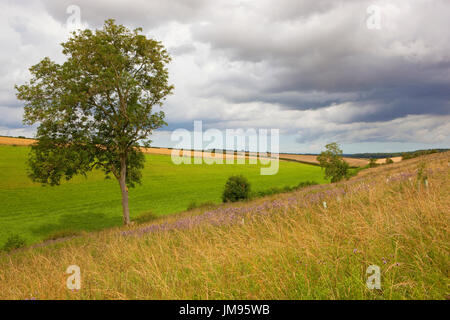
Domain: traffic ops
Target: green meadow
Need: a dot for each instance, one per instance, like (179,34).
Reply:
(92,203)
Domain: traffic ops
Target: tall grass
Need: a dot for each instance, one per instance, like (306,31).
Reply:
(285,246)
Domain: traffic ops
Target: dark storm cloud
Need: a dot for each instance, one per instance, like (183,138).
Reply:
(402,70)
(309,67)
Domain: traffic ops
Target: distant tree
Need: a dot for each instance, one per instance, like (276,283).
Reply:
(95,108)
(418,153)
(389,161)
(406,156)
(372,163)
(332,161)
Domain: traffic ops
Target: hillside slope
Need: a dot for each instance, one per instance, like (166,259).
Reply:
(287,246)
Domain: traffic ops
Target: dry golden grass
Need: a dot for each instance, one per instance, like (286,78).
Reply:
(286,246)
(16,141)
(383,161)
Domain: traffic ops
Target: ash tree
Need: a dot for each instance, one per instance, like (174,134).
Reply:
(96,109)
(333,162)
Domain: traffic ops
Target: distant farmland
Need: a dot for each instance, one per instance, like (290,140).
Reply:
(310,158)
(305,158)
(34,211)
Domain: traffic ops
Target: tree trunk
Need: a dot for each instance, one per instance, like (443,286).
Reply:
(124,189)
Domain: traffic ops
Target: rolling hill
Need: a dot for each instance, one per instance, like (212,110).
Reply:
(316,243)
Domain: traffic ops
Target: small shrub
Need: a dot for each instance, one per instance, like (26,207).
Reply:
(372,163)
(62,234)
(195,205)
(145,217)
(421,173)
(304,184)
(14,241)
(389,161)
(237,188)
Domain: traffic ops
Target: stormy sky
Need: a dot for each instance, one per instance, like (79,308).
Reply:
(372,75)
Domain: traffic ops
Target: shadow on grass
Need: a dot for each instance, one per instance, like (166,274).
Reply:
(77,222)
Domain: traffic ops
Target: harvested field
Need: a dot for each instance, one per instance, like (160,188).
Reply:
(307,158)
(395,159)
(16,141)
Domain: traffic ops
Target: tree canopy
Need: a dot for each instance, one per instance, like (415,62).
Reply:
(97,108)
(332,161)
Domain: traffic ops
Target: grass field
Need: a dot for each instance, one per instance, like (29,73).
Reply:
(286,246)
(34,211)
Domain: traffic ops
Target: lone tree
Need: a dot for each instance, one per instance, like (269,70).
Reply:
(96,108)
(331,159)
(373,163)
